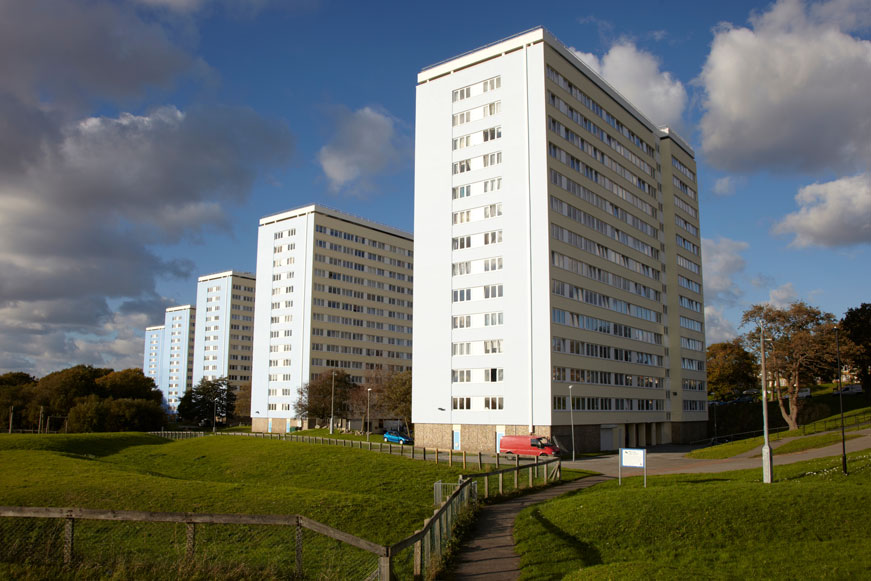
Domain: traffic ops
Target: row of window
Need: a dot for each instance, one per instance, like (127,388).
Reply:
(477,89)
(607,404)
(683,169)
(365,352)
(688,264)
(602,251)
(476,266)
(282,233)
(600,156)
(476,214)
(351,265)
(599,274)
(579,321)
(479,403)
(602,227)
(589,297)
(478,239)
(354,308)
(360,281)
(487,347)
(686,244)
(683,187)
(690,324)
(692,364)
(689,284)
(580,348)
(477,113)
(685,207)
(360,253)
(479,162)
(686,225)
(477,138)
(356,238)
(477,320)
(600,133)
(692,344)
(694,405)
(488,375)
(593,106)
(473,189)
(353,336)
(352,322)
(490,291)
(690,304)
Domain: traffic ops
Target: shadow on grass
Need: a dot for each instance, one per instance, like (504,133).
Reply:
(585,552)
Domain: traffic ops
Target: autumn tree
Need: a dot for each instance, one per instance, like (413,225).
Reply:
(731,369)
(242,413)
(396,398)
(799,339)
(129,384)
(316,397)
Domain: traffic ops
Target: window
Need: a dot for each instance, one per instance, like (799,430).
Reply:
(493,319)
(461,242)
(492,264)
(462,217)
(693,405)
(491,159)
(461,403)
(463,93)
(493,291)
(690,324)
(493,346)
(559,402)
(493,374)
(493,210)
(461,349)
(493,185)
(461,295)
(493,237)
(492,133)
(461,322)
(461,268)
(492,84)
(493,403)
(461,375)
(688,303)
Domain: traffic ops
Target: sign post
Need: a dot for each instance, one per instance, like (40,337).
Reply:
(632,458)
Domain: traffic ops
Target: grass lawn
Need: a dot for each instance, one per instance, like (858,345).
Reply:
(379,497)
(809,524)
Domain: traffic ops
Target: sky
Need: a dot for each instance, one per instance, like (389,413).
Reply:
(142,140)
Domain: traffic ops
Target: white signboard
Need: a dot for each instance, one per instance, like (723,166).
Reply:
(632,457)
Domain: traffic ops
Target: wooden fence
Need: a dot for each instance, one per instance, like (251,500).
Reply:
(426,547)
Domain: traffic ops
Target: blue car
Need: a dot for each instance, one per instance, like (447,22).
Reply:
(397,438)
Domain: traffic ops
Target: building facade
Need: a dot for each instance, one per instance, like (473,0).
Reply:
(334,292)
(223,346)
(562,283)
(169,350)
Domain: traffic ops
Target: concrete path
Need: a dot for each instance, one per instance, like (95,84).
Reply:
(489,552)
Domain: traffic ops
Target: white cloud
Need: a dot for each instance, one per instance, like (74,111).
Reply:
(725,186)
(790,92)
(365,144)
(717,327)
(723,262)
(782,296)
(636,75)
(836,213)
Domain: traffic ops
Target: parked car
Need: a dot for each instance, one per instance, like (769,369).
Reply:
(849,390)
(397,438)
(803,392)
(530,445)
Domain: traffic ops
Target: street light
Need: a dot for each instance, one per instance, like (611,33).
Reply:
(572,416)
(841,400)
(332,401)
(766,449)
(368,423)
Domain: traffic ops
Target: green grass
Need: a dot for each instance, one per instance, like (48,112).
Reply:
(809,524)
(811,442)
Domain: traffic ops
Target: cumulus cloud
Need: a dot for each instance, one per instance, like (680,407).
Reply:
(782,296)
(717,327)
(84,199)
(725,186)
(722,262)
(365,143)
(790,91)
(836,213)
(637,76)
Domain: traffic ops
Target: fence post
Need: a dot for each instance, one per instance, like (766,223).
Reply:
(480,466)
(69,530)
(298,548)
(500,483)
(497,460)
(437,460)
(412,451)
(424,454)
(486,486)
(531,468)
(385,568)
(450,457)
(390,448)
(190,539)
(516,470)
(418,558)
(464,459)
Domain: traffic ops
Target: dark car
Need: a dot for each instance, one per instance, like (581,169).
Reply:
(397,438)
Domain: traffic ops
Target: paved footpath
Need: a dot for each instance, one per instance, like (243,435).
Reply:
(488,554)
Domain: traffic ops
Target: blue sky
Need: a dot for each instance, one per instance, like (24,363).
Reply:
(143,139)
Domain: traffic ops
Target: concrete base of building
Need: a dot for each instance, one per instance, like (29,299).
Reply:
(279,425)
(588,437)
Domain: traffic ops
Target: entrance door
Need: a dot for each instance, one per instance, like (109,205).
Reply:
(456,440)
(269,428)
(499,439)
(606,439)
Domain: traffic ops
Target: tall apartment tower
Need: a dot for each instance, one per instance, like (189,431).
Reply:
(223,346)
(169,350)
(558,228)
(334,292)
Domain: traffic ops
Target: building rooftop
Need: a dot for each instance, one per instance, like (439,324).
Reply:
(226,274)
(317,208)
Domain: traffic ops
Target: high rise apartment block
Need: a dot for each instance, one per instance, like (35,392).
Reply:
(334,292)
(558,251)
(168,358)
(223,346)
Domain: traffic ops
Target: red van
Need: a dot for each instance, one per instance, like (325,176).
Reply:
(530,445)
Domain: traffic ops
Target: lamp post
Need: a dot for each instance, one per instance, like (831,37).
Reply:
(332,401)
(841,401)
(572,416)
(766,449)
(368,423)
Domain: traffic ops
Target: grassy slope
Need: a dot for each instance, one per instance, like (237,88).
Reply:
(379,497)
(809,524)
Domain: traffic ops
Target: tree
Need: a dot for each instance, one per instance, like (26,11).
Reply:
(210,398)
(129,384)
(242,411)
(731,369)
(396,398)
(16,390)
(856,327)
(799,339)
(315,397)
